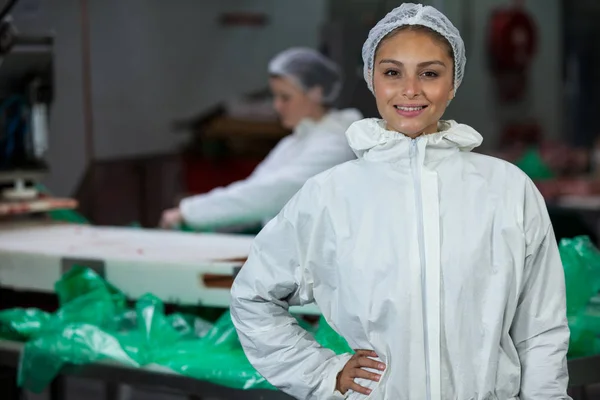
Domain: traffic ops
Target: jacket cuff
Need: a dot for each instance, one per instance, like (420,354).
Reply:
(329,391)
(188,208)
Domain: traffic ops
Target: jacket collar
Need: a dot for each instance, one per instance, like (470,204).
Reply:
(370,140)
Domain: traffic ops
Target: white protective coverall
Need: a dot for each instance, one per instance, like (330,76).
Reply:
(441,260)
(313,147)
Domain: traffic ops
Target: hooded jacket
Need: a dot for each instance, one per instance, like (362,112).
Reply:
(441,260)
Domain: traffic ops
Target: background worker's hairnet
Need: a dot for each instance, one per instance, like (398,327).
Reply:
(415,14)
(308,68)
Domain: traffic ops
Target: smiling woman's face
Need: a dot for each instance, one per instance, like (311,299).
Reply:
(413,80)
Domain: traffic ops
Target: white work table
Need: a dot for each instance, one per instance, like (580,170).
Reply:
(177,267)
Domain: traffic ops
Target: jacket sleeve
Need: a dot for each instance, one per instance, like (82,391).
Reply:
(540,330)
(275,277)
(263,196)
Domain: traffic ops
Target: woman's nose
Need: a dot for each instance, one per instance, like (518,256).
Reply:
(412,87)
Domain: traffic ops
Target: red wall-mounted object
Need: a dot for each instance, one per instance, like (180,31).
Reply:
(513,39)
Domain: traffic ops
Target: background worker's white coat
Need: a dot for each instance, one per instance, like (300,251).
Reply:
(441,260)
(313,147)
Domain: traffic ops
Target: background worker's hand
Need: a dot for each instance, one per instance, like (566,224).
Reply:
(355,368)
(171,219)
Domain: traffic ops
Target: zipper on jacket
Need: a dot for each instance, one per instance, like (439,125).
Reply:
(416,175)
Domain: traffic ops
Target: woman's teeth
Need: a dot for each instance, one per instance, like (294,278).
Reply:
(410,108)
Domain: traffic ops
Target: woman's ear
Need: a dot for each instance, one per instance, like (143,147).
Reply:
(315,94)
(451,94)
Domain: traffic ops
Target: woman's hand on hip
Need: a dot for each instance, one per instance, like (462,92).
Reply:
(355,368)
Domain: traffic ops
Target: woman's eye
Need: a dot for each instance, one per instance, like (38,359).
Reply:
(430,74)
(391,72)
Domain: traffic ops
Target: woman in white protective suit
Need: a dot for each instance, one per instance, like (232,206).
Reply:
(304,84)
(438,264)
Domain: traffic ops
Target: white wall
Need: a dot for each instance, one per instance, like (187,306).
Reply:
(475,103)
(154,61)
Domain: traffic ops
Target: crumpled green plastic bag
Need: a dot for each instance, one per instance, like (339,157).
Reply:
(329,338)
(584,340)
(533,165)
(84,297)
(76,344)
(581,263)
(21,324)
(218,358)
(155,331)
(101,330)
(79,281)
(94,324)
(77,333)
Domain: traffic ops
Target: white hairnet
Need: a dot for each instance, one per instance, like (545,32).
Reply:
(309,68)
(415,14)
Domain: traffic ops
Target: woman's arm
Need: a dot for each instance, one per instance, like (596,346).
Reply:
(540,330)
(261,197)
(275,277)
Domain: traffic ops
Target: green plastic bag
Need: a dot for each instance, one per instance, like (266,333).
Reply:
(581,263)
(225,366)
(329,338)
(76,344)
(79,281)
(22,324)
(77,333)
(218,358)
(94,324)
(223,334)
(68,340)
(534,166)
(155,330)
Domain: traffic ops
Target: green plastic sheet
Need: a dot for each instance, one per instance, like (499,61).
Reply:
(581,262)
(95,323)
(534,166)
